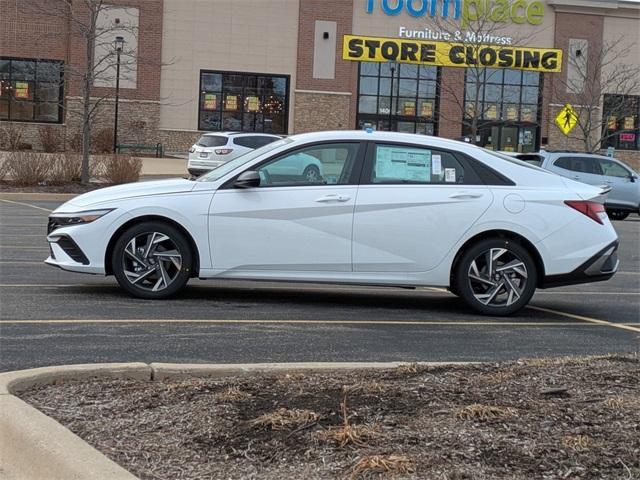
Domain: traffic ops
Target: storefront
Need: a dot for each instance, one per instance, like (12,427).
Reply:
(292,66)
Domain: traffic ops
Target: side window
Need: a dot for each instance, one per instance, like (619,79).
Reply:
(248,142)
(613,169)
(327,164)
(579,164)
(399,164)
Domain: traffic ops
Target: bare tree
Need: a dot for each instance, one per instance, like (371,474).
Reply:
(601,69)
(89,24)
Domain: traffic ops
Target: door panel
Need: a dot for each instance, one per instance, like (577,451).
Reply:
(414,204)
(623,190)
(289,228)
(410,228)
(293,221)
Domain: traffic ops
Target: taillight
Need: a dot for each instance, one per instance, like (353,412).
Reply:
(223,151)
(590,209)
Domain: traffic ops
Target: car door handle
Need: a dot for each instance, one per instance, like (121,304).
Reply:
(333,198)
(465,195)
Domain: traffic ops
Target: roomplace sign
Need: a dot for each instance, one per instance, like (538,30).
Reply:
(446,54)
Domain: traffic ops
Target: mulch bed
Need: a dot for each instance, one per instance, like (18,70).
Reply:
(7,186)
(569,418)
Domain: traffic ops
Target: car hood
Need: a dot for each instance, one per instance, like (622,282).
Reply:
(131,190)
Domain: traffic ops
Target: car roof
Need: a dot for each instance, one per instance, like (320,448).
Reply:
(239,134)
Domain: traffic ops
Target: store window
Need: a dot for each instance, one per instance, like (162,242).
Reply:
(506,104)
(398,97)
(243,102)
(31,90)
(621,124)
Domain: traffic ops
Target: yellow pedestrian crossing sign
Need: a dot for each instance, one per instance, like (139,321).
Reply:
(566,119)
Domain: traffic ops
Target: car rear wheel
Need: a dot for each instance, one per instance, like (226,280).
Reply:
(152,260)
(617,214)
(496,277)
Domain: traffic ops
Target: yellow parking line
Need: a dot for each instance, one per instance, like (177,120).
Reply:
(26,205)
(586,319)
(300,322)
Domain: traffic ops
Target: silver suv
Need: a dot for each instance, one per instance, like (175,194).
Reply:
(624,197)
(215,149)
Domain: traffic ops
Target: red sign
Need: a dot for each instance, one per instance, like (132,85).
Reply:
(627,137)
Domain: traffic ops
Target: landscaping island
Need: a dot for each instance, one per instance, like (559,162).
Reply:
(568,418)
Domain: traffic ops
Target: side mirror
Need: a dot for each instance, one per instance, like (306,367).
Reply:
(248,179)
(633,178)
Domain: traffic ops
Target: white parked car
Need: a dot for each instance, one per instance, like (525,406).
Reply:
(214,149)
(385,209)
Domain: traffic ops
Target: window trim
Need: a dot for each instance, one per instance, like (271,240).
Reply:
(287,99)
(61,99)
(353,178)
(471,176)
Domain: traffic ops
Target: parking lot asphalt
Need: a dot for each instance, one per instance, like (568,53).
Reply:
(52,317)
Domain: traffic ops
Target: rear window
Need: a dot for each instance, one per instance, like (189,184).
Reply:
(211,141)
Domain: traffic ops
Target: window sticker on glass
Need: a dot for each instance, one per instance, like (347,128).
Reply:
(450,175)
(436,164)
(404,164)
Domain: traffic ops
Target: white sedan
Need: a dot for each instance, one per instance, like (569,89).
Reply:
(382,209)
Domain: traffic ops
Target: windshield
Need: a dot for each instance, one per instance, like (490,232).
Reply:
(212,141)
(511,159)
(237,162)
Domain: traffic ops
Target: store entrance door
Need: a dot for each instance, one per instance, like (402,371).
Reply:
(508,138)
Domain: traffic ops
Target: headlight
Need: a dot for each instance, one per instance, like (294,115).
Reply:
(57,220)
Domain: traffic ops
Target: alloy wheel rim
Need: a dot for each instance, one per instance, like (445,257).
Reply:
(151,261)
(497,277)
(312,175)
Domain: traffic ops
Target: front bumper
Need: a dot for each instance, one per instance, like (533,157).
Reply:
(602,266)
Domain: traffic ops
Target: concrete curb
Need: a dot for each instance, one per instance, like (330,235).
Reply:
(34,446)
(37,196)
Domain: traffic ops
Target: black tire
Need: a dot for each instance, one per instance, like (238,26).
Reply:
(617,214)
(522,280)
(163,259)
(312,174)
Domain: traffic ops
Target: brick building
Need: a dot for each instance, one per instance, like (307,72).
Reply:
(284,66)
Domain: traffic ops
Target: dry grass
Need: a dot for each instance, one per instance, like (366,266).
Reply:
(621,402)
(28,168)
(65,168)
(117,169)
(577,442)
(285,419)
(485,412)
(49,138)
(412,368)
(501,376)
(385,464)
(366,388)
(347,435)
(290,378)
(4,165)
(232,394)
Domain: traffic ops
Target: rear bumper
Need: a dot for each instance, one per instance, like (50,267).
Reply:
(602,266)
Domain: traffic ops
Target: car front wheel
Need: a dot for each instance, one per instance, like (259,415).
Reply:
(152,260)
(496,277)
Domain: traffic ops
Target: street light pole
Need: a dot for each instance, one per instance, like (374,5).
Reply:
(119,43)
(393,69)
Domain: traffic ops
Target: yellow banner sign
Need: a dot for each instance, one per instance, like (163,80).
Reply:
(566,119)
(445,54)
